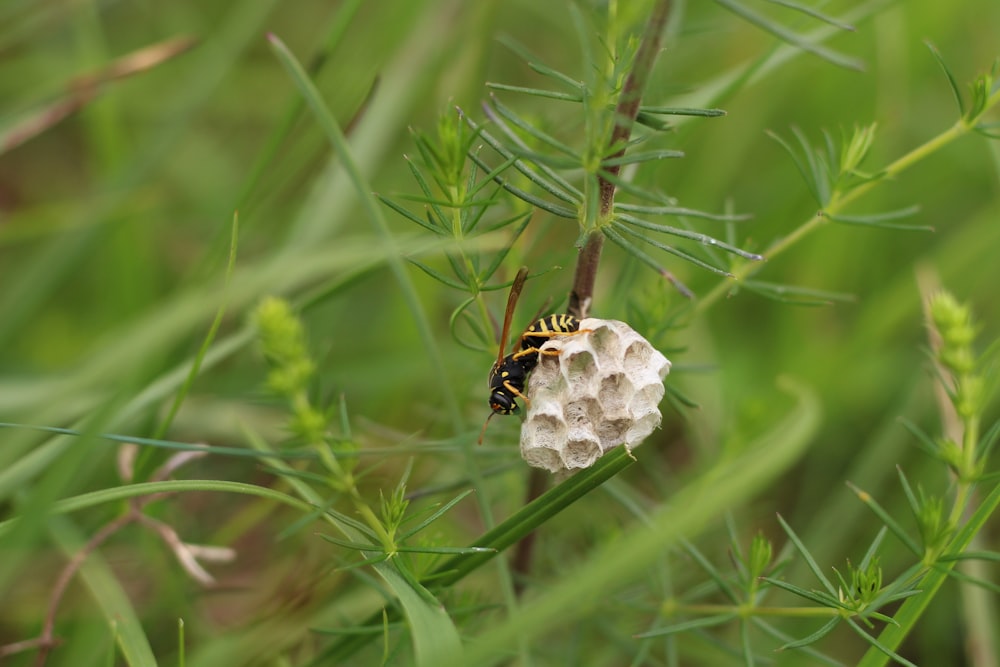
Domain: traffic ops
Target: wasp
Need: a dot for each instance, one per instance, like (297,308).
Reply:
(510,373)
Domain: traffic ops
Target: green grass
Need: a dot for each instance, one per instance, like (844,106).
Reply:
(812,488)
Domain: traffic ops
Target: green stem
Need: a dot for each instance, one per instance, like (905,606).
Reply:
(748,610)
(970,440)
(839,201)
(913,608)
(343,481)
(458,196)
(368,514)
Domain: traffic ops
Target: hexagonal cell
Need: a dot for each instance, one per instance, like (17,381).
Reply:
(550,430)
(615,391)
(579,366)
(581,450)
(637,357)
(646,398)
(612,431)
(582,411)
(602,390)
(542,457)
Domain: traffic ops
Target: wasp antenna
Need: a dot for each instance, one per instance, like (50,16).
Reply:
(515,293)
(482,434)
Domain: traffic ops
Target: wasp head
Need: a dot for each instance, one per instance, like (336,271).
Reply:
(502,403)
(507,380)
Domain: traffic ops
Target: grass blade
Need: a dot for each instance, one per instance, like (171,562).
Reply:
(786,35)
(814,13)
(111,597)
(369,203)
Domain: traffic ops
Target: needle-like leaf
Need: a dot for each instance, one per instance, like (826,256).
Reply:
(887,520)
(786,35)
(956,92)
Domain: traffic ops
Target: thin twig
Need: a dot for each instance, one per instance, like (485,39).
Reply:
(47,640)
(538,482)
(631,96)
(187,554)
(625,113)
(586,275)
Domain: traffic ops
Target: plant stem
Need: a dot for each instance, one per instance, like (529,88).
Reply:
(628,102)
(748,610)
(839,201)
(586,275)
(589,258)
(624,118)
(913,608)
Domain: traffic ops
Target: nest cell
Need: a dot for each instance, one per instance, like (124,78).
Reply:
(601,389)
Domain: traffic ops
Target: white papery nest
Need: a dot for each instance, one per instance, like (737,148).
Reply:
(601,391)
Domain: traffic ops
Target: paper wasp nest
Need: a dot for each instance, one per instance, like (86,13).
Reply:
(602,390)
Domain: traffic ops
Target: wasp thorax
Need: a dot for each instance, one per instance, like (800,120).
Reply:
(600,391)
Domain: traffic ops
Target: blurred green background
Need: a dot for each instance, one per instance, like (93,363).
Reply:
(116,204)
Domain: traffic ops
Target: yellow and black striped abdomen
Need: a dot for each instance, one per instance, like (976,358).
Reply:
(547,328)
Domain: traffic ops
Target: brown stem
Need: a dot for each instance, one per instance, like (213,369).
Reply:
(538,482)
(631,96)
(589,258)
(625,113)
(586,275)
(47,640)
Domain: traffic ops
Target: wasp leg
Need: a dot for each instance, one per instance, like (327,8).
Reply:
(530,350)
(546,334)
(517,392)
(536,350)
(551,334)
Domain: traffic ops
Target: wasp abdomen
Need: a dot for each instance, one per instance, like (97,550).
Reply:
(546,328)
